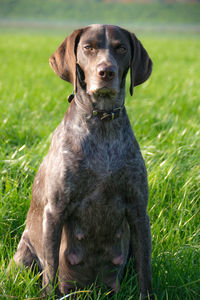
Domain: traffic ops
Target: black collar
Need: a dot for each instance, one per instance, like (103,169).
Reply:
(108,115)
(103,115)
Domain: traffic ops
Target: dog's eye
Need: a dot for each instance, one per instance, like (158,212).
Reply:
(88,47)
(121,49)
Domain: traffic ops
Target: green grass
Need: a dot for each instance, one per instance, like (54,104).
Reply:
(99,11)
(164,113)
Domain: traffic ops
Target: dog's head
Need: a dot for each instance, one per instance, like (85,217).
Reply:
(97,58)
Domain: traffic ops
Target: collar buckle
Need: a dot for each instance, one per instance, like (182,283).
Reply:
(108,115)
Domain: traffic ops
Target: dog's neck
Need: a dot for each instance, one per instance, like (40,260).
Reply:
(80,118)
(103,106)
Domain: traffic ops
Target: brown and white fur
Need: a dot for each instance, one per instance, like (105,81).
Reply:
(89,200)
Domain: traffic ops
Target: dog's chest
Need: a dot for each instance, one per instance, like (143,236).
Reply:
(105,159)
(97,163)
(95,177)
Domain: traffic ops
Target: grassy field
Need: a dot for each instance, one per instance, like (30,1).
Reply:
(164,114)
(90,11)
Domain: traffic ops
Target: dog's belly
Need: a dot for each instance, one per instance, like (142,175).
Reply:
(95,239)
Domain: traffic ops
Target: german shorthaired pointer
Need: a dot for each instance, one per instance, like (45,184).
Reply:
(89,199)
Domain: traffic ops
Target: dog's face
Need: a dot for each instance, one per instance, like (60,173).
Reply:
(103,60)
(97,58)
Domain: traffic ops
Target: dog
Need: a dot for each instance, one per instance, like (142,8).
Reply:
(88,212)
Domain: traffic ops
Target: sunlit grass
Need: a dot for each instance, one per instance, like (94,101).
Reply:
(90,11)
(164,113)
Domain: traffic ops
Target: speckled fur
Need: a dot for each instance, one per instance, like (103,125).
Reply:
(89,200)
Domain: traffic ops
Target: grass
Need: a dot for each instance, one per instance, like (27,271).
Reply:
(99,11)
(164,113)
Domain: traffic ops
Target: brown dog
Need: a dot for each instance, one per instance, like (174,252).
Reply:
(89,199)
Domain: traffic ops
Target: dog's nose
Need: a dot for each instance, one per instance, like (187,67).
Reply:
(106,73)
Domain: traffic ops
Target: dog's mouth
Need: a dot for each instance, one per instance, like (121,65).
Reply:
(105,92)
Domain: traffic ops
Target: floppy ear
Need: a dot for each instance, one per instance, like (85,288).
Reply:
(141,63)
(63,61)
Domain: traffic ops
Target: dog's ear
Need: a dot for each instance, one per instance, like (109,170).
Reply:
(63,61)
(141,63)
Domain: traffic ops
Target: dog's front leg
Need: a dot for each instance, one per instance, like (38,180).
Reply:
(52,230)
(141,248)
